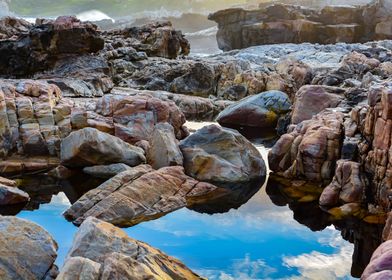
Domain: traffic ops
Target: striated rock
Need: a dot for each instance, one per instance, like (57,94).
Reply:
(380,266)
(106,171)
(79,268)
(221,156)
(10,27)
(12,195)
(137,195)
(310,149)
(311,100)
(261,110)
(99,244)
(45,44)
(348,185)
(28,251)
(164,150)
(89,146)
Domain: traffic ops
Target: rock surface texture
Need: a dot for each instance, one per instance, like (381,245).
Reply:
(102,251)
(280,23)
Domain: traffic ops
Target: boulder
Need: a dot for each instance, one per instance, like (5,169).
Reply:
(89,146)
(164,150)
(380,266)
(27,250)
(103,251)
(12,195)
(221,156)
(137,195)
(106,171)
(10,27)
(262,110)
(311,100)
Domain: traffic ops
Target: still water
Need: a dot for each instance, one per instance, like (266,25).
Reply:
(259,240)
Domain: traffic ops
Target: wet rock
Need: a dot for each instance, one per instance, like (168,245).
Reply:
(28,251)
(221,156)
(164,150)
(12,195)
(261,110)
(311,100)
(98,243)
(89,146)
(348,185)
(137,195)
(106,171)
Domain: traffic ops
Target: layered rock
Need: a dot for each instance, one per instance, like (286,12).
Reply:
(10,27)
(139,194)
(89,146)
(261,111)
(28,251)
(281,23)
(102,251)
(221,156)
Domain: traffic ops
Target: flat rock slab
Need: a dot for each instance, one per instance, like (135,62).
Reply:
(27,251)
(12,195)
(103,251)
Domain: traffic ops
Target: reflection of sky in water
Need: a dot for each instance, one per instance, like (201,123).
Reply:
(257,241)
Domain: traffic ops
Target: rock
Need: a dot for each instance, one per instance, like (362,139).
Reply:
(7,182)
(12,195)
(137,195)
(380,266)
(106,171)
(79,268)
(28,251)
(10,27)
(221,156)
(164,150)
(310,149)
(261,111)
(45,44)
(98,243)
(348,185)
(311,100)
(89,146)
(276,23)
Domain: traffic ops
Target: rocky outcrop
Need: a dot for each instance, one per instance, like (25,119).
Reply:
(139,194)
(102,251)
(280,23)
(89,146)
(260,111)
(28,251)
(221,156)
(10,27)
(164,150)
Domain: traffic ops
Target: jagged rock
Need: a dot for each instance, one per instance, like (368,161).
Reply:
(28,251)
(99,244)
(281,23)
(137,195)
(221,156)
(10,27)
(106,171)
(12,195)
(89,146)
(347,186)
(45,44)
(310,149)
(164,150)
(79,268)
(261,110)
(311,100)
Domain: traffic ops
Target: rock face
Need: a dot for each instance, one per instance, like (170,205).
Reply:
(102,251)
(164,150)
(221,156)
(12,195)
(280,23)
(28,251)
(137,195)
(261,110)
(89,146)
(10,26)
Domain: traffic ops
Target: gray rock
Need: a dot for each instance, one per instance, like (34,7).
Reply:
(106,171)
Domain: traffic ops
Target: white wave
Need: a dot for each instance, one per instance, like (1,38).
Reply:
(203,33)
(4,10)
(93,15)
(159,13)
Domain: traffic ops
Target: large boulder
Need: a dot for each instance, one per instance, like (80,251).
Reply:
(27,251)
(12,195)
(103,251)
(311,100)
(221,156)
(89,146)
(139,194)
(380,266)
(164,150)
(261,110)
